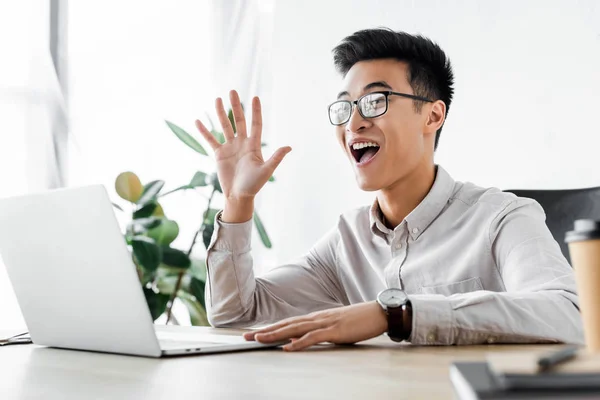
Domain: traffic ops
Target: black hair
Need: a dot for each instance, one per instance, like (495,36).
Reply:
(429,69)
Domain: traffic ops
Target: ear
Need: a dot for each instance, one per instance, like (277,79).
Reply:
(436,117)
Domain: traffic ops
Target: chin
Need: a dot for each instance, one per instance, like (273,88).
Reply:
(368,185)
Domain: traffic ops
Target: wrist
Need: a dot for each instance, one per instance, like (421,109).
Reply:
(237,211)
(398,309)
(382,321)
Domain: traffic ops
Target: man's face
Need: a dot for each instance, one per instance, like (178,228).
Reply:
(404,137)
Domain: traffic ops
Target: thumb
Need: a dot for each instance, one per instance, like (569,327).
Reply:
(273,162)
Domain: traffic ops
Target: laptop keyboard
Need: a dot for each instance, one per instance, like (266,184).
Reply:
(171,344)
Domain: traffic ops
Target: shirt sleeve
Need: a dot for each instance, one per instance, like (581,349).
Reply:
(236,298)
(540,303)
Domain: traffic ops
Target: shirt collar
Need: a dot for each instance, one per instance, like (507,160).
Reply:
(423,215)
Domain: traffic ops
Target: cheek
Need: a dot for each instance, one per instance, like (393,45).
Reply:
(400,140)
(340,135)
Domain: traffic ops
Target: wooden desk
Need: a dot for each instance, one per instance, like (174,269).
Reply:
(376,369)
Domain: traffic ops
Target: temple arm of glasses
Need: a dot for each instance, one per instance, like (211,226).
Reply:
(412,96)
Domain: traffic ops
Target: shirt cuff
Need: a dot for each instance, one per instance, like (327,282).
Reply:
(235,238)
(432,320)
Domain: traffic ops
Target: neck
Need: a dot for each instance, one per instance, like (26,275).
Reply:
(399,199)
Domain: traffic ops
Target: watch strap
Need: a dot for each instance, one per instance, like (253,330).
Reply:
(395,317)
(407,318)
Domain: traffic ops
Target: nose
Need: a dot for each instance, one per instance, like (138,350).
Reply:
(356,123)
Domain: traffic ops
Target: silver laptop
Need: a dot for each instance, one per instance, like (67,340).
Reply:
(77,285)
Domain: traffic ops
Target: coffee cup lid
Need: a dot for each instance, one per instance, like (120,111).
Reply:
(585,229)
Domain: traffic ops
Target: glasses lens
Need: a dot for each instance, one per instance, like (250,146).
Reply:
(373,105)
(339,112)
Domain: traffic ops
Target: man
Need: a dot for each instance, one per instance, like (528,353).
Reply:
(432,261)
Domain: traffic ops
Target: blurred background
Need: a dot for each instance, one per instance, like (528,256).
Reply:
(86,87)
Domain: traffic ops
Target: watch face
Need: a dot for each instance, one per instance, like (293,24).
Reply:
(393,297)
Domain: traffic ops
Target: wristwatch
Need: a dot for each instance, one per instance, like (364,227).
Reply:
(398,309)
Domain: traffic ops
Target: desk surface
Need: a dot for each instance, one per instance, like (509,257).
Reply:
(375,369)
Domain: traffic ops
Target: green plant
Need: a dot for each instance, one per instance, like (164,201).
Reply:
(167,273)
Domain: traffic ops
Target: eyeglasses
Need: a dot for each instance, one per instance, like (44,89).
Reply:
(370,105)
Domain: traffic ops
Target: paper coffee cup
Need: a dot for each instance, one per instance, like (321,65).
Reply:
(584,248)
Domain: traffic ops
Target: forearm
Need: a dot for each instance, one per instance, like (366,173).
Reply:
(236,298)
(496,317)
(231,286)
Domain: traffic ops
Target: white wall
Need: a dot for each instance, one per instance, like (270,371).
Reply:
(524,114)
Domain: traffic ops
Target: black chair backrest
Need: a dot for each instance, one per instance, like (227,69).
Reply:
(563,207)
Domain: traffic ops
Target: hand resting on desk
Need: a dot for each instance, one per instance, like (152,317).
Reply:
(343,325)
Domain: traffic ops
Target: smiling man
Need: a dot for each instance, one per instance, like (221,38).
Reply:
(431,261)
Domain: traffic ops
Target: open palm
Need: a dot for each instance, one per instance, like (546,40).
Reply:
(241,168)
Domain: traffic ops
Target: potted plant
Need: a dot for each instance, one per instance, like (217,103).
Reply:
(167,273)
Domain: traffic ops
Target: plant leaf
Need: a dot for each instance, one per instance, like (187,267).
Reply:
(199,179)
(261,231)
(147,276)
(146,252)
(166,284)
(214,180)
(165,232)
(145,211)
(184,187)
(272,179)
(128,186)
(141,225)
(157,302)
(263,144)
(175,258)
(207,234)
(232,120)
(219,136)
(187,138)
(151,190)
(118,207)
(197,312)
(198,269)
(197,289)
(209,218)
(158,212)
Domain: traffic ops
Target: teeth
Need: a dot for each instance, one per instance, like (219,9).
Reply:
(362,145)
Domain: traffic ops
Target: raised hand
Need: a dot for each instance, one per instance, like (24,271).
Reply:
(241,168)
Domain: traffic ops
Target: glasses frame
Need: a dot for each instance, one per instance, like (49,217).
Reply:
(387,94)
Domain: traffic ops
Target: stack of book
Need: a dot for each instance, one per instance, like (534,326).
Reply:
(569,373)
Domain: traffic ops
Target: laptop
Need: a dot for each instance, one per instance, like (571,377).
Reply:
(76,283)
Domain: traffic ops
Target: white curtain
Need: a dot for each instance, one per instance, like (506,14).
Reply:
(133,65)
(242,47)
(241,54)
(32,112)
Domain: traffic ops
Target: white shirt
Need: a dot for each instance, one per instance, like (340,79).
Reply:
(479,266)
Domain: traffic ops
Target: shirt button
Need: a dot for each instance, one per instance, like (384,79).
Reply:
(431,337)
(491,340)
(415,230)
(398,246)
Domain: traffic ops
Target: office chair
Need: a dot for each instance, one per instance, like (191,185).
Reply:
(563,207)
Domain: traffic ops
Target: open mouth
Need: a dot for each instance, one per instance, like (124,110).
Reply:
(364,152)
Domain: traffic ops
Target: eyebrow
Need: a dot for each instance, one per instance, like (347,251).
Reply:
(371,85)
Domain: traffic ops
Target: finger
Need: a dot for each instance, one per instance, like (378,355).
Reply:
(279,325)
(277,157)
(238,113)
(310,339)
(207,135)
(289,332)
(256,130)
(225,123)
